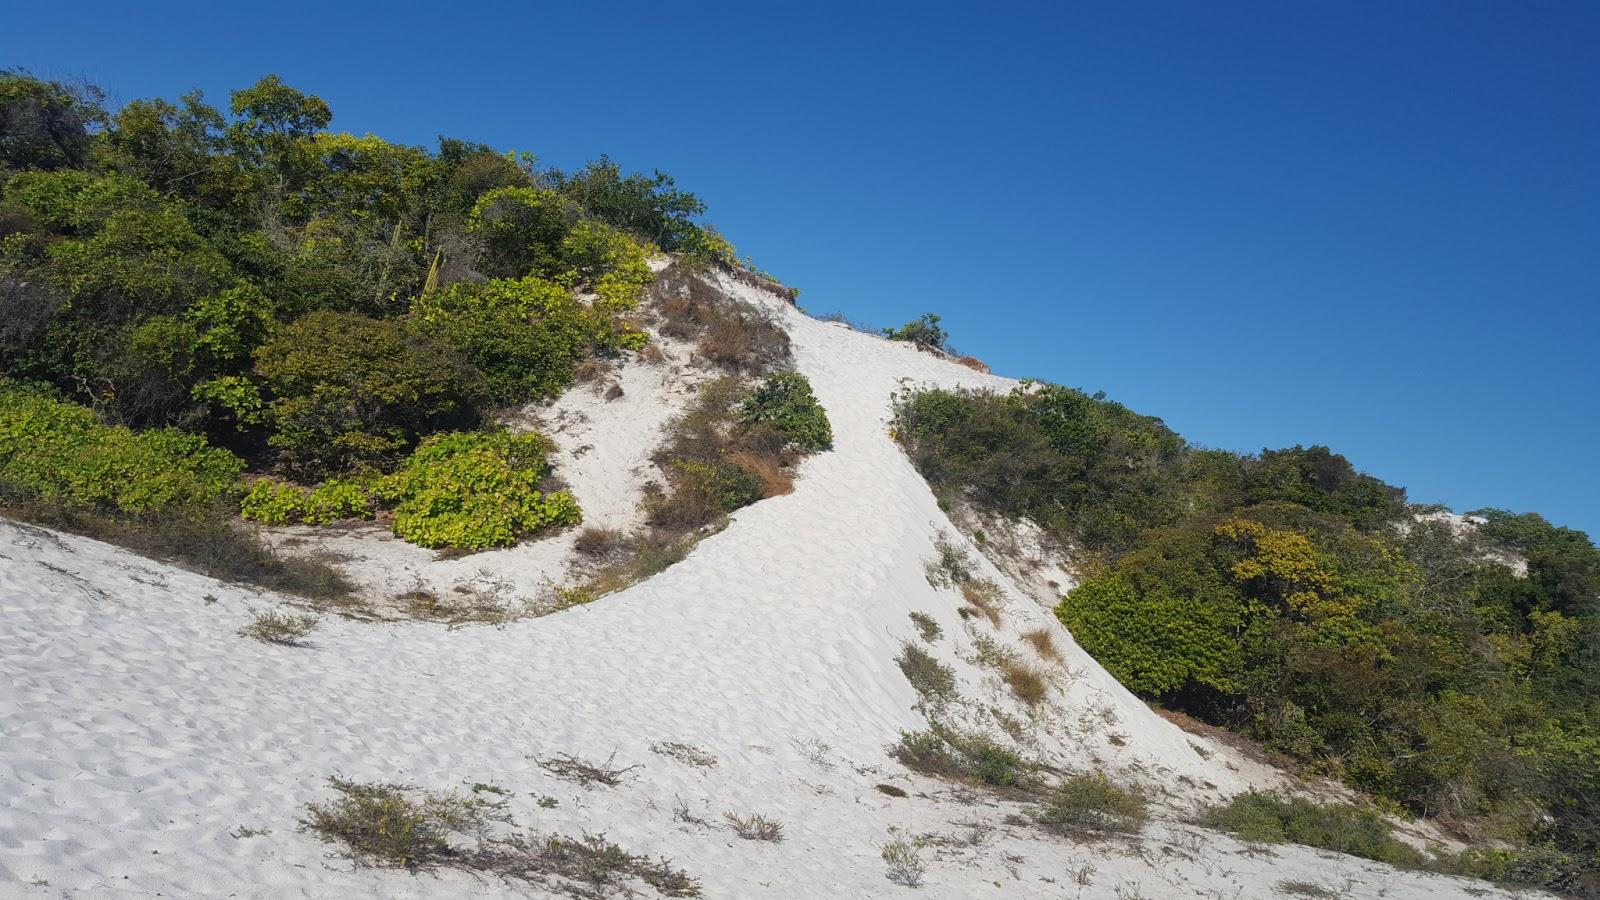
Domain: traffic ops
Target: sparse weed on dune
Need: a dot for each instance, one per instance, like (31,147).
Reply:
(754,827)
(278,627)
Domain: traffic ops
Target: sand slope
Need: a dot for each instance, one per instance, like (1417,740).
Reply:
(139,730)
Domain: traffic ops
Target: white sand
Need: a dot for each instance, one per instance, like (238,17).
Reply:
(138,729)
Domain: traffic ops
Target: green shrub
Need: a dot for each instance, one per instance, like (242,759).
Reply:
(784,400)
(524,335)
(474,490)
(944,751)
(1277,819)
(351,392)
(273,502)
(57,452)
(337,499)
(702,492)
(1096,803)
(924,331)
(932,680)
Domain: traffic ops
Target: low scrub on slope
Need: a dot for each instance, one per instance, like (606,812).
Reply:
(1290,597)
(207,288)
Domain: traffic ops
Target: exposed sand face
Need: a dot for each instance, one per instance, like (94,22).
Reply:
(139,730)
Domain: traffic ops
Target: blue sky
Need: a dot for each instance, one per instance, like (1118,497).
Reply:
(1370,225)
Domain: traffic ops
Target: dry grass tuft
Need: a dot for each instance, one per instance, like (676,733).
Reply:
(399,826)
(1026,682)
(396,826)
(276,627)
(585,773)
(973,363)
(1044,643)
(775,480)
(903,863)
(984,597)
(688,754)
(601,542)
(755,827)
(729,334)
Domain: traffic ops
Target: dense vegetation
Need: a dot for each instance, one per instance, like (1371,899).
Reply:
(1292,598)
(187,293)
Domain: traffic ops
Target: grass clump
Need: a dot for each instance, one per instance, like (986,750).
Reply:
(688,754)
(599,866)
(1095,803)
(736,338)
(583,772)
(1043,643)
(926,626)
(903,863)
(945,752)
(396,826)
(755,827)
(1027,683)
(933,681)
(1273,818)
(277,627)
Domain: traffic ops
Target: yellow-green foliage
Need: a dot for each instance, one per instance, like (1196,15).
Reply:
(475,490)
(523,334)
(59,452)
(276,503)
(610,262)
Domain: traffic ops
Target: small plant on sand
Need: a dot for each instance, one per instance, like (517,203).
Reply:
(277,627)
(952,566)
(755,827)
(1278,819)
(984,597)
(903,863)
(1043,643)
(1094,803)
(933,681)
(926,626)
(398,826)
(1305,889)
(687,754)
(943,751)
(585,773)
(1026,682)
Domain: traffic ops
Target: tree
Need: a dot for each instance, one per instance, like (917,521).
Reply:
(45,124)
(349,392)
(650,206)
(924,331)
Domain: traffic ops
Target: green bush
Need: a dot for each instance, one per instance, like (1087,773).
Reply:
(784,400)
(277,503)
(473,491)
(524,335)
(924,331)
(1277,819)
(1096,803)
(351,392)
(57,452)
(944,751)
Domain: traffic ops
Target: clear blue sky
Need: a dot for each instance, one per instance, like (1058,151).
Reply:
(1370,225)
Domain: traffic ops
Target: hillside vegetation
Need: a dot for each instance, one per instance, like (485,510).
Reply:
(1307,605)
(188,294)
